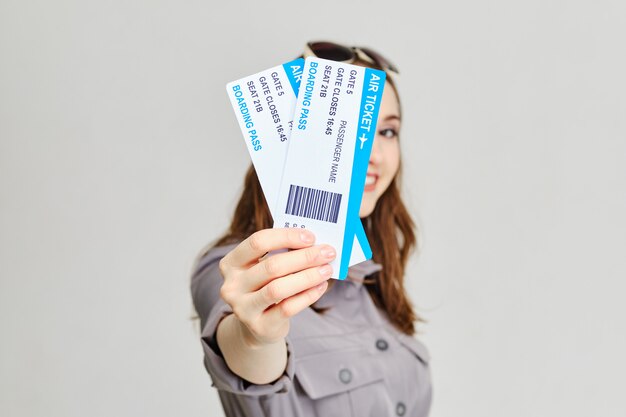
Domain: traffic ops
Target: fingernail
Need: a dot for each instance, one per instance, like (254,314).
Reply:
(321,287)
(326,270)
(307,237)
(328,253)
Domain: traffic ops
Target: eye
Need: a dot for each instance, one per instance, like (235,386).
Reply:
(388,133)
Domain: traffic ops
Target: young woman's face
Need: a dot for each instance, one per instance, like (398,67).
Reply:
(385,157)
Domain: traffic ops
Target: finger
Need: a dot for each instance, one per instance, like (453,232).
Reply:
(293,305)
(263,241)
(283,264)
(290,285)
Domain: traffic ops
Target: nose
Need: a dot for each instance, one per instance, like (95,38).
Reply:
(376,155)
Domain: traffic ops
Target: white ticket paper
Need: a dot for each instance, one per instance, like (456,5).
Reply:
(334,125)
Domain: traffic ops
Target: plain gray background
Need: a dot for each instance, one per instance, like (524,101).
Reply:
(120,158)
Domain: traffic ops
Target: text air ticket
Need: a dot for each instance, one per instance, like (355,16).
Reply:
(334,125)
(264,104)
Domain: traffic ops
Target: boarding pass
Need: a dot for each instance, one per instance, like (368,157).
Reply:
(264,104)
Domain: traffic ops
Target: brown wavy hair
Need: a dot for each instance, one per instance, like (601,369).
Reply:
(390,230)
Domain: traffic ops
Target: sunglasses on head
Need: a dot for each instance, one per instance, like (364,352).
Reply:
(341,53)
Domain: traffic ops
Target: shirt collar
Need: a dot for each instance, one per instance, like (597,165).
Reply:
(350,287)
(356,274)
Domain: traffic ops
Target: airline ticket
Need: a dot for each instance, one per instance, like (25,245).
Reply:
(264,104)
(334,125)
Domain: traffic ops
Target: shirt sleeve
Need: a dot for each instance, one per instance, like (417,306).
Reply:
(206,282)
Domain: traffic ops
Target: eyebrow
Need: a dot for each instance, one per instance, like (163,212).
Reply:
(392,117)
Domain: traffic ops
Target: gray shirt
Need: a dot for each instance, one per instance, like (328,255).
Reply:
(348,361)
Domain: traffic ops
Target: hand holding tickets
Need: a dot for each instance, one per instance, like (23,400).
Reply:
(311,152)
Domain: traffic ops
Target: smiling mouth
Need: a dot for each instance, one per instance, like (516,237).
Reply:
(370,182)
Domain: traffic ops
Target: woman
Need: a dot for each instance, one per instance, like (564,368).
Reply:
(279,338)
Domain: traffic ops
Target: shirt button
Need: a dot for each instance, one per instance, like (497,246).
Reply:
(381,344)
(400,409)
(345,376)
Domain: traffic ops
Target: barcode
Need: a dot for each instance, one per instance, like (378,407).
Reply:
(313,204)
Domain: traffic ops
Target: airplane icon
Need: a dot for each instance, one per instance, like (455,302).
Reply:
(363,139)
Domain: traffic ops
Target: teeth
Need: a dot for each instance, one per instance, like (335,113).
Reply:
(370,179)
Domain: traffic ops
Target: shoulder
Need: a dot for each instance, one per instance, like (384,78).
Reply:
(210,258)
(206,282)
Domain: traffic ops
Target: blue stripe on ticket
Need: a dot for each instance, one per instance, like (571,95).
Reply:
(371,97)
(293,70)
